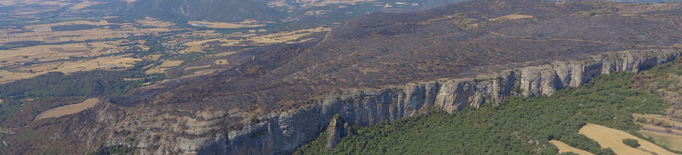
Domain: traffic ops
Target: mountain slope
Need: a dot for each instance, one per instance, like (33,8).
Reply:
(366,59)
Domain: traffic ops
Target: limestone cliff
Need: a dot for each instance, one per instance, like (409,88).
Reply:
(206,131)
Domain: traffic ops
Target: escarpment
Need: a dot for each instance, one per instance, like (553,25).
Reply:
(378,67)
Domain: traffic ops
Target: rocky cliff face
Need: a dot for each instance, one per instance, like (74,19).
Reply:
(207,131)
(293,128)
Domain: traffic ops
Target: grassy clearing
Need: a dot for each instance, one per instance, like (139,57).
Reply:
(673,142)
(566,148)
(68,109)
(612,138)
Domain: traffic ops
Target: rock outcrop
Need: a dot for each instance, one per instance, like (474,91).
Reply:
(334,130)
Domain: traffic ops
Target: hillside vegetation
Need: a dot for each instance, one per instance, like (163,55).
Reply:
(517,126)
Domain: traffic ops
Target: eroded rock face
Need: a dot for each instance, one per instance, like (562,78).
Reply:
(334,131)
(208,131)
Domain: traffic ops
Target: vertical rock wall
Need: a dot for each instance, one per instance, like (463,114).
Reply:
(295,128)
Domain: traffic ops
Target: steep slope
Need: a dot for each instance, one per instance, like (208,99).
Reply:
(377,67)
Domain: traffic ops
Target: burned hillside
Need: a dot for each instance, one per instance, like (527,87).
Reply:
(455,41)
(373,51)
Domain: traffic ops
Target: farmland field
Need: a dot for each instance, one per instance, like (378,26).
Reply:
(68,109)
(612,138)
(673,142)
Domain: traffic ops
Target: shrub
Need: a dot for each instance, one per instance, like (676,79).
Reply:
(631,142)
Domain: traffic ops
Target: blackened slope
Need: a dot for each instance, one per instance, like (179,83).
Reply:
(385,49)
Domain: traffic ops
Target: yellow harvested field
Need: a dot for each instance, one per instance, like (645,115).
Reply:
(156,70)
(8,76)
(68,109)
(44,33)
(49,52)
(223,25)
(192,49)
(286,36)
(154,57)
(43,53)
(671,141)
(563,147)
(207,71)
(43,26)
(148,21)
(511,17)
(196,46)
(121,61)
(164,66)
(612,138)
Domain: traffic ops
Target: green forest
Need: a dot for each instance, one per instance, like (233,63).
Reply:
(517,126)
